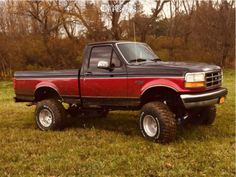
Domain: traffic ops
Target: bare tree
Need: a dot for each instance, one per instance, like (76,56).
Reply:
(189,10)
(42,12)
(155,12)
(87,19)
(227,29)
(116,7)
(214,29)
(174,24)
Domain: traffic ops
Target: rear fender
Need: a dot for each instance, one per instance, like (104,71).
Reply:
(47,85)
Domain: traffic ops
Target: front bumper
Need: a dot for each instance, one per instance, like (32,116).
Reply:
(203,99)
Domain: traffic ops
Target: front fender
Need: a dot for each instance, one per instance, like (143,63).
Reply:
(174,84)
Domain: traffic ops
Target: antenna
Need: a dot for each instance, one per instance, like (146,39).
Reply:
(135,41)
(134,32)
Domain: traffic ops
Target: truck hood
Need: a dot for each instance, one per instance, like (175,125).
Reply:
(170,68)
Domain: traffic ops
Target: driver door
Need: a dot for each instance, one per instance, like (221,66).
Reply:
(104,86)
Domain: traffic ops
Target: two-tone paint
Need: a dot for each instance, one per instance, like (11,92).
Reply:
(121,87)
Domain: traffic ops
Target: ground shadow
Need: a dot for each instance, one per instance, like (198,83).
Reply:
(121,122)
(127,123)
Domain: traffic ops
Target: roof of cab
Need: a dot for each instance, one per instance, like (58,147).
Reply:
(107,42)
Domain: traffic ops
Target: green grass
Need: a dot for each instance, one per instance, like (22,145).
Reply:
(113,146)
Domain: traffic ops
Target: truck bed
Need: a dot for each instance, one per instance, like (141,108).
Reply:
(64,82)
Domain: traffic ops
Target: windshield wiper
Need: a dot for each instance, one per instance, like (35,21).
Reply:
(156,59)
(137,60)
(142,60)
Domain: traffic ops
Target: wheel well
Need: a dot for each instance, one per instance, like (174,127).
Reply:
(46,92)
(162,94)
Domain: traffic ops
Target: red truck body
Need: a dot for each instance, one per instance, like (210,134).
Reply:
(64,86)
(113,87)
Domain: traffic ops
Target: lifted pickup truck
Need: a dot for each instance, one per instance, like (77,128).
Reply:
(125,76)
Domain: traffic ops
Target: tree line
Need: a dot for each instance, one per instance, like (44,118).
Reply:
(46,35)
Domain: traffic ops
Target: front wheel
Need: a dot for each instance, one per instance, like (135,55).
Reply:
(209,115)
(204,116)
(157,122)
(49,115)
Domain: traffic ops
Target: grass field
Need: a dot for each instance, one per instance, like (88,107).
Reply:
(113,146)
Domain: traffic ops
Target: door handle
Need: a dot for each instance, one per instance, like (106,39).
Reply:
(88,73)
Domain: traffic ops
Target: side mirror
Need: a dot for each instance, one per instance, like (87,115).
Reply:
(103,65)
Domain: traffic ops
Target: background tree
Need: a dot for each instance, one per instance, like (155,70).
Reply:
(145,25)
(116,7)
(41,35)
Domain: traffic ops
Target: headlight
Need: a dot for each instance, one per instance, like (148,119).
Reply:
(194,80)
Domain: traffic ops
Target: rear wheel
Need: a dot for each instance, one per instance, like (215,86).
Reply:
(49,115)
(157,122)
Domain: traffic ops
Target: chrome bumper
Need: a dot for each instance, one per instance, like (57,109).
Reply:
(203,99)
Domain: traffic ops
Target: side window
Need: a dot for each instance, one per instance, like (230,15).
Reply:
(115,60)
(99,53)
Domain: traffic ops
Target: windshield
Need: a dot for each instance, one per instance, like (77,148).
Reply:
(137,52)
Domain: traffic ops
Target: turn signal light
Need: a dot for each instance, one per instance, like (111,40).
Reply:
(221,100)
(194,84)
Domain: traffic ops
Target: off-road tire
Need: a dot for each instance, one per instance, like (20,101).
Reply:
(208,115)
(57,111)
(165,121)
(205,116)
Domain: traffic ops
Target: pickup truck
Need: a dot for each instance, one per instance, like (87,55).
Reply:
(119,75)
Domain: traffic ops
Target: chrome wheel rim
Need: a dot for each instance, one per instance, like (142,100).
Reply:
(45,117)
(150,125)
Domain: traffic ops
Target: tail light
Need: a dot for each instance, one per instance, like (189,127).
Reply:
(14,83)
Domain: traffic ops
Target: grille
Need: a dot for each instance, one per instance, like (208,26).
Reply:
(213,79)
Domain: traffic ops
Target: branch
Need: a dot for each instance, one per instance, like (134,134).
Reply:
(159,7)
